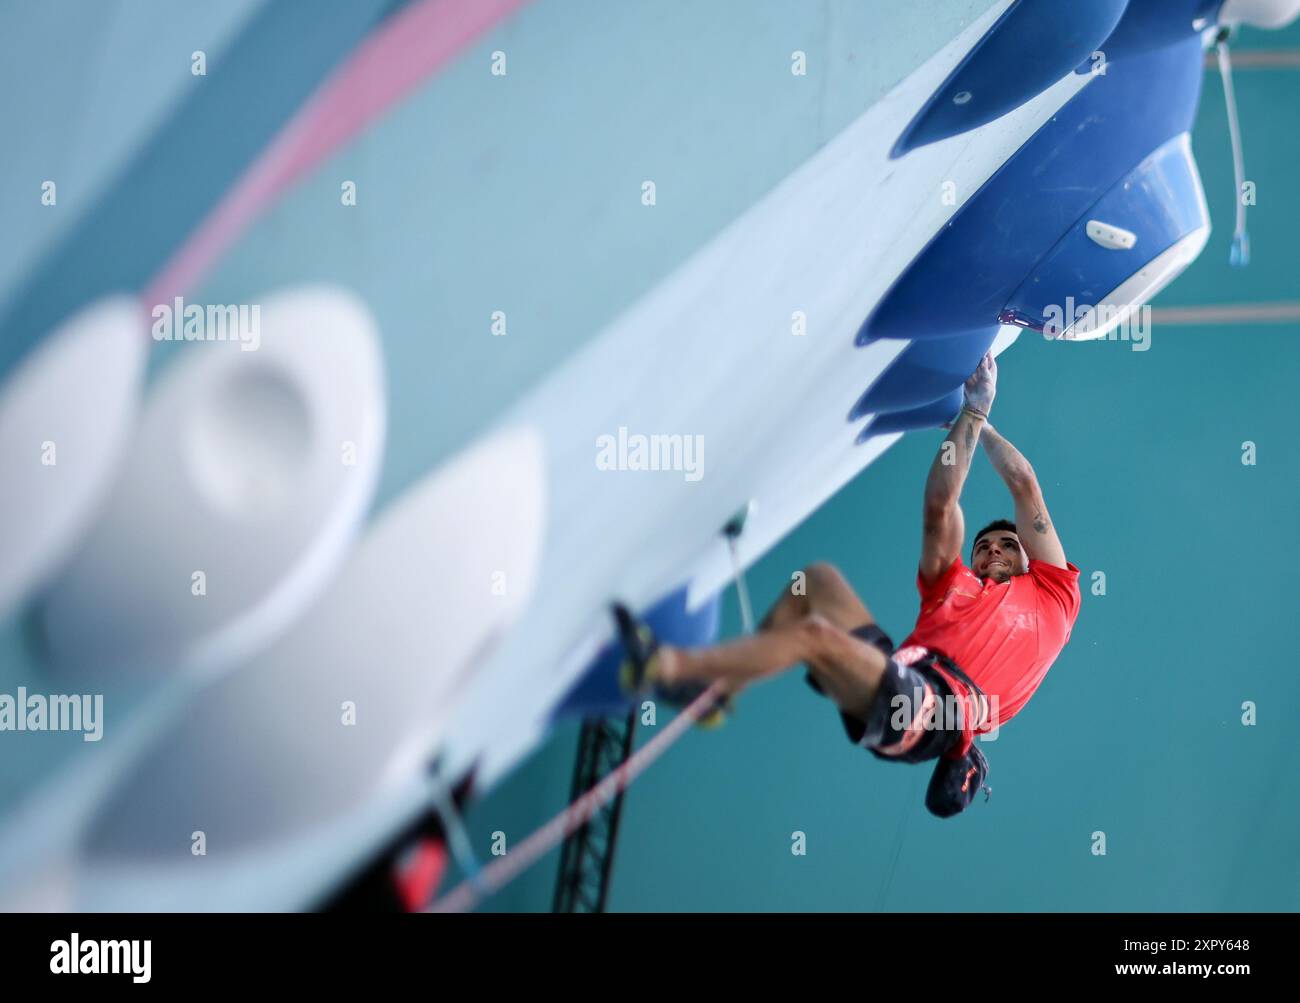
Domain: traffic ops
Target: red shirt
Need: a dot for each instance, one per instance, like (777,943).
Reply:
(1005,636)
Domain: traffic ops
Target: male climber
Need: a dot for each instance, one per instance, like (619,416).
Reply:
(985,637)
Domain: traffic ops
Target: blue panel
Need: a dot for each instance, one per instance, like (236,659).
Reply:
(597,692)
(933,415)
(1160,202)
(1153,24)
(961,281)
(189,163)
(924,372)
(1030,47)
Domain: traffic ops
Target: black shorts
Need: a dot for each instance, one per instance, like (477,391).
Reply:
(905,683)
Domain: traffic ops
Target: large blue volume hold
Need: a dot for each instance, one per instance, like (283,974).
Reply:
(1030,47)
(597,692)
(964,277)
(933,415)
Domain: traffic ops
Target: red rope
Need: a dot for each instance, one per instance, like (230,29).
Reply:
(505,869)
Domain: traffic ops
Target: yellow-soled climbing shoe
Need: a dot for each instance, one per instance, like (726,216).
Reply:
(636,673)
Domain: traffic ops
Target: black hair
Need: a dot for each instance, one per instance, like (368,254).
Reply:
(1005,524)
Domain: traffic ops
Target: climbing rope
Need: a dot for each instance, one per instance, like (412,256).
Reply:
(462,849)
(502,871)
(1240,253)
(482,882)
(742,591)
(887,880)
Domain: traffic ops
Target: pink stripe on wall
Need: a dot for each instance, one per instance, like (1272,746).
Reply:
(394,59)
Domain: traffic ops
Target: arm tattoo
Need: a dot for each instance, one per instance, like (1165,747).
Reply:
(1040,524)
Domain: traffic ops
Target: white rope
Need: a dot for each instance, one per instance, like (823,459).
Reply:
(742,591)
(1240,241)
(458,839)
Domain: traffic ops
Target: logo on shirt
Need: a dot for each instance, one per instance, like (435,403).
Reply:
(909,655)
